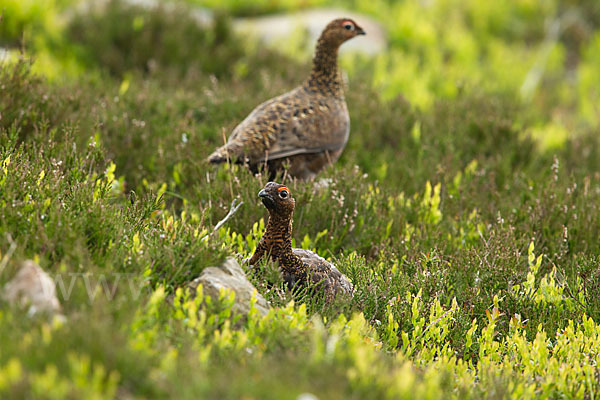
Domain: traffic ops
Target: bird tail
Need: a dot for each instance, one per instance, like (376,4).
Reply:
(220,155)
(231,152)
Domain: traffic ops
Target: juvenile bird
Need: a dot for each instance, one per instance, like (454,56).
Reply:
(299,267)
(307,127)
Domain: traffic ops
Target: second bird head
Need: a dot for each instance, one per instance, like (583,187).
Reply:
(277,198)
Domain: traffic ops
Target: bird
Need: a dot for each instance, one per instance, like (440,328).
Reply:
(305,129)
(299,267)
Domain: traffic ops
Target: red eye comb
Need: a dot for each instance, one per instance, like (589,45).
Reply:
(283,188)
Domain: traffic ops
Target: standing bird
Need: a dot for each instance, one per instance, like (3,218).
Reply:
(299,267)
(307,127)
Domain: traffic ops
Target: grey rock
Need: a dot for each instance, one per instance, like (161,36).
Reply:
(230,275)
(32,288)
(307,396)
(5,54)
(273,28)
(203,16)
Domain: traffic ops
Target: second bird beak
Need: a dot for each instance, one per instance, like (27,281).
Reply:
(266,199)
(360,31)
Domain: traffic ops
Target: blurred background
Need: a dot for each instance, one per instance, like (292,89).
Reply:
(544,54)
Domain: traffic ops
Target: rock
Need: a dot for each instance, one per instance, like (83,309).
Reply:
(230,275)
(273,28)
(5,54)
(307,396)
(34,288)
(203,16)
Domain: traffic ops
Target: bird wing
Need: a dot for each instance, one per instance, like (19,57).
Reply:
(294,123)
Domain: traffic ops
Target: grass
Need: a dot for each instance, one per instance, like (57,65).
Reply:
(472,246)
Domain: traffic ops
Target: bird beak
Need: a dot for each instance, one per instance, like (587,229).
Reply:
(266,198)
(360,31)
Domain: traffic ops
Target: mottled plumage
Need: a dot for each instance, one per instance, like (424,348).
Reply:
(298,266)
(307,127)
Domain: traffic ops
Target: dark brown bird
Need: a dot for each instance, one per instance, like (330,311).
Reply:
(307,127)
(299,267)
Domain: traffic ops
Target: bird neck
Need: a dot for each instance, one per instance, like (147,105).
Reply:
(325,76)
(279,231)
(279,234)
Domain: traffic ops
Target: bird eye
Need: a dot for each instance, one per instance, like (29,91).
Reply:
(283,194)
(349,27)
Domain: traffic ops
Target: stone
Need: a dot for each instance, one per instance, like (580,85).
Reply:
(274,28)
(32,288)
(271,29)
(203,16)
(230,275)
(307,396)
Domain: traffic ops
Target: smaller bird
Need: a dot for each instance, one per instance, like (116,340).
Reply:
(306,128)
(299,267)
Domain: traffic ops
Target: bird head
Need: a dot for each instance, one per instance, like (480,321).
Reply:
(340,30)
(277,199)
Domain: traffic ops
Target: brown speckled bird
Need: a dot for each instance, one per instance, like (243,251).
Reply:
(307,127)
(299,267)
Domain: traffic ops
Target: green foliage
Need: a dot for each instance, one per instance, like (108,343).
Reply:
(244,8)
(121,38)
(24,18)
